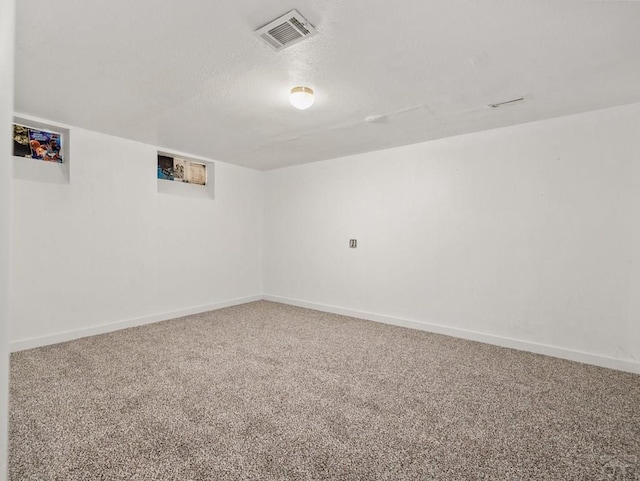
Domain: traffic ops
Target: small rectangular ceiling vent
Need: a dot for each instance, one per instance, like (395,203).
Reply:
(286,30)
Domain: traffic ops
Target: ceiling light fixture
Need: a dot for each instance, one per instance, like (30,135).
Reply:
(301,97)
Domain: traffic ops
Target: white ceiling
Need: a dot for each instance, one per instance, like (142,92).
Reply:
(190,76)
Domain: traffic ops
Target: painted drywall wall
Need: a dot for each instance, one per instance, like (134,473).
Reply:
(7,27)
(107,250)
(527,236)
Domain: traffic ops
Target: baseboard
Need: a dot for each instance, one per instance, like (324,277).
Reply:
(33,342)
(548,350)
(554,351)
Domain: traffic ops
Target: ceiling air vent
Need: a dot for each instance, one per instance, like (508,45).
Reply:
(286,30)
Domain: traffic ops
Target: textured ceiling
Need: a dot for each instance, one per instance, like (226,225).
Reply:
(190,75)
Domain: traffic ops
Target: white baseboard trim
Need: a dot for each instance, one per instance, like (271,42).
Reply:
(554,351)
(33,342)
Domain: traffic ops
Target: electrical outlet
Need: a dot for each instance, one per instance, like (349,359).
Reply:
(353,243)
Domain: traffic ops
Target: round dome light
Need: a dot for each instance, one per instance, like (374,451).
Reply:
(301,97)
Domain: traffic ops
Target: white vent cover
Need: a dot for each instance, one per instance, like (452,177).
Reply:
(286,30)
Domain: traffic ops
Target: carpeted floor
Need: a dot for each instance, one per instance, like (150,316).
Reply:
(265,391)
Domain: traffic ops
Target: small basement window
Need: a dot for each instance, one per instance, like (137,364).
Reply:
(180,175)
(40,151)
(181,170)
(37,144)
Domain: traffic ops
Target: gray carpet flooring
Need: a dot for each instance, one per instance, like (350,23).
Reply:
(265,391)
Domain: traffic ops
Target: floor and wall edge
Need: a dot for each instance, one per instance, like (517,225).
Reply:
(554,351)
(40,341)
(548,350)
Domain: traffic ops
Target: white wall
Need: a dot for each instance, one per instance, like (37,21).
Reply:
(107,250)
(7,26)
(527,236)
